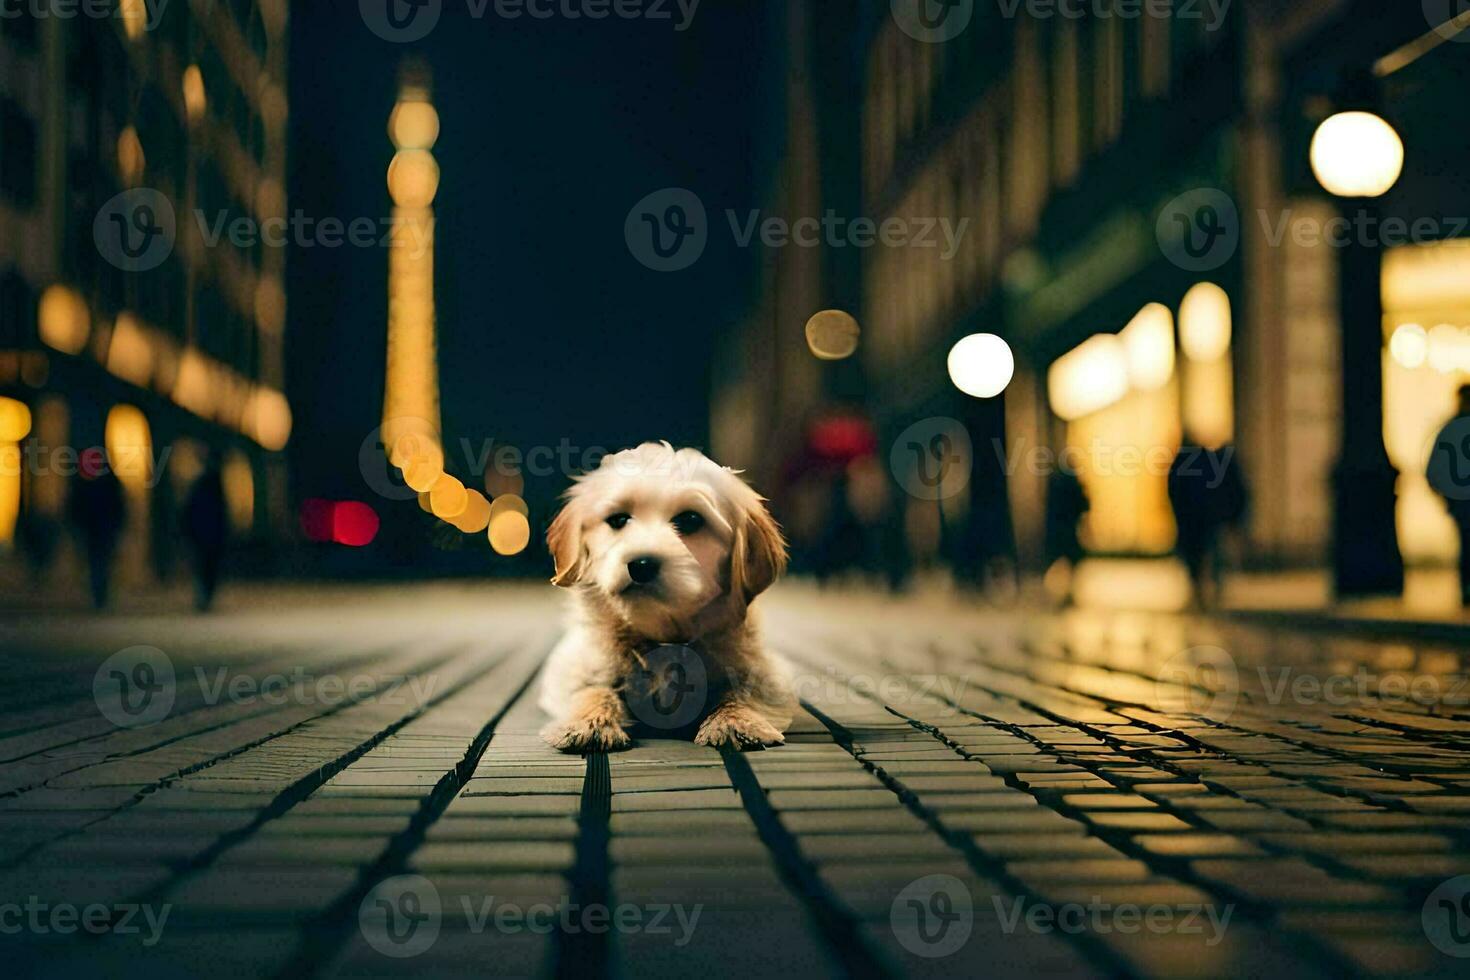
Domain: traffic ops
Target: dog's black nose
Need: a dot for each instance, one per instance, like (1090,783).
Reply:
(643,570)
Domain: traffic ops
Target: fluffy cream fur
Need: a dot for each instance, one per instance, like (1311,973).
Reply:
(701,597)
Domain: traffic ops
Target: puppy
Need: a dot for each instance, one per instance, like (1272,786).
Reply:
(664,551)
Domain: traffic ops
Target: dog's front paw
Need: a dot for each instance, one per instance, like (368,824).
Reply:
(581,735)
(739,728)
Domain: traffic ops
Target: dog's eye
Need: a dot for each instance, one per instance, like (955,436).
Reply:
(688,522)
(618,521)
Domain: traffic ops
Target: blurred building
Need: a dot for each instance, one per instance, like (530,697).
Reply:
(142,206)
(1147,233)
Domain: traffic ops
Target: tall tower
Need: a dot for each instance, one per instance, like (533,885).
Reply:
(411,423)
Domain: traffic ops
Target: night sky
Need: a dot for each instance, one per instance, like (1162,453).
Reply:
(550,132)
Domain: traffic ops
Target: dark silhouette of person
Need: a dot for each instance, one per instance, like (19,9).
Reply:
(1207,493)
(98,510)
(1066,504)
(206,524)
(1449,474)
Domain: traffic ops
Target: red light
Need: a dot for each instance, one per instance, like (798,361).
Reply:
(354,524)
(843,437)
(346,522)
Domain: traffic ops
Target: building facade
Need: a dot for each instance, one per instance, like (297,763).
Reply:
(1146,232)
(142,215)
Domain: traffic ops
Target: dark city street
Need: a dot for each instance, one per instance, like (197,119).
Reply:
(734,488)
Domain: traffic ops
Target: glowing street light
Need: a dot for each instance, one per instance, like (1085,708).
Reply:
(981,365)
(1357,154)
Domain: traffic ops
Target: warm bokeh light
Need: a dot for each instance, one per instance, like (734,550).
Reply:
(63,320)
(1445,348)
(194,384)
(354,523)
(129,442)
(413,178)
(476,515)
(267,419)
(1357,154)
(448,498)
(194,100)
(1089,377)
(130,351)
(1148,342)
(981,365)
(832,334)
(131,160)
(508,504)
(134,14)
(239,485)
(414,125)
(15,420)
(509,532)
(1205,322)
(1409,345)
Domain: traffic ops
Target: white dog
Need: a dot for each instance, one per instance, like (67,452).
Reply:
(664,550)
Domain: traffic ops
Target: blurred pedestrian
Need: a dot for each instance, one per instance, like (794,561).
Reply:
(1066,504)
(1208,495)
(1449,475)
(206,525)
(98,511)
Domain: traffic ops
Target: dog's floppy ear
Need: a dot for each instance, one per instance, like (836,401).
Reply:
(759,552)
(564,541)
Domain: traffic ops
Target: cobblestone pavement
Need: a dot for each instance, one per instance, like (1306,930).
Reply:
(350,784)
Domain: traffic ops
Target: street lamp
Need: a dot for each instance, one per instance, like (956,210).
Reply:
(981,365)
(1357,154)
(1357,157)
